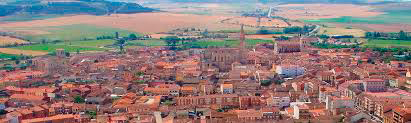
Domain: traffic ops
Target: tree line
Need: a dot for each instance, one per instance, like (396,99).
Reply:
(298,30)
(401,35)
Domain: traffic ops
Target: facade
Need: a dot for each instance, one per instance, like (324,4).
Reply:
(301,111)
(279,99)
(401,115)
(165,89)
(223,58)
(374,85)
(60,53)
(222,100)
(289,46)
(335,103)
(289,70)
(226,88)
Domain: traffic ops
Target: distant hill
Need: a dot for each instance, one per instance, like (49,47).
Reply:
(95,7)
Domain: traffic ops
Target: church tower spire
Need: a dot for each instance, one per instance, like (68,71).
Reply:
(242,49)
(242,36)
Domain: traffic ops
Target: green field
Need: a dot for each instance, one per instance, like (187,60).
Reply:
(152,42)
(75,32)
(388,43)
(391,16)
(53,47)
(7,56)
(88,43)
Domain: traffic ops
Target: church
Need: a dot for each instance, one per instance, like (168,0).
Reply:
(223,58)
(295,44)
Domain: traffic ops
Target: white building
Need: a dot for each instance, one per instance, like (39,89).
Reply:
(289,70)
(301,111)
(279,100)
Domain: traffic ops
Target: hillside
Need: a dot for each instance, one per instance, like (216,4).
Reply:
(94,7)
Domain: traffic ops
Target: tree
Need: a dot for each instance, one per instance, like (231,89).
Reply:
(171,41)
(3,112)
(43,41)
(205,33)
(369,35)
(67,54)
(293,30)
(139,73)
(132,37)
(402,35)
(263,31)
(8,68)
(117,35)
(121,43)
(283,38)
(17,61)
(266,82)
(23,66)
(92,114)
(79,99)
(78,51)
(323,36)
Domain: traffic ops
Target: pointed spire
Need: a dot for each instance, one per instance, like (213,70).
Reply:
(242,34)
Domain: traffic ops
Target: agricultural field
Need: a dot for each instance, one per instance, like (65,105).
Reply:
(24,52)
(27,17)
(342,31)
(7,56)
(153,42)
(230,9)
(73,32)
(253,42)
(146,23)
(88,43)
(53,47)
(392,20)
(389,17)
(252,21)
(5,40)
(388,43)
(322,11)
(70,46)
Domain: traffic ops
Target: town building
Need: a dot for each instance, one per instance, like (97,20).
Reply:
(289,70)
